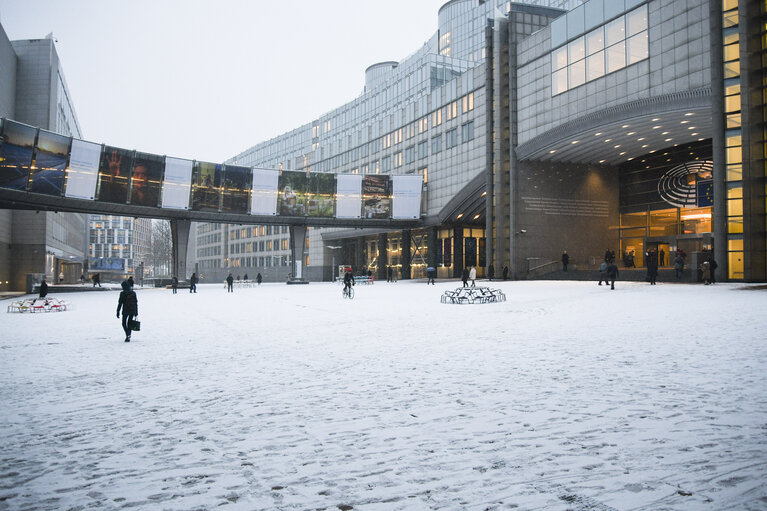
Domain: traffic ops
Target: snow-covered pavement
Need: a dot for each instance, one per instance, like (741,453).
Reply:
(568,396)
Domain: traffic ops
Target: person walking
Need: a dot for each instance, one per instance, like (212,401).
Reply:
(652,266)
(705,269)
(229,284)
(43,288)
(431,272)
(612,274)
(388,274)
(174,284)
(505,272)
(96,280)
(678,265)
(128,302)
(258,279)
(473,276)
(193,283)
(712,264)
(465,277)
(490,272)
(565,260)
(603,273)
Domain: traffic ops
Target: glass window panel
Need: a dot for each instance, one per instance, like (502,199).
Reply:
(615,31)
(735,225)
(730,19)
(733,140)
(577,49)
(559,81)
(559,31)
(730,36)
(735,265)
(735,207)
(636,21)
(732,103)
(735,245)
(732,87)
(595,41)
(734,172)
(735,190)
(734,155)
(637,48)
(732,69)
(627,233)
(595,13)
(731,52)
(733,121)
(577,73)
(616,57)
(595,66)
(634,220)
(559,58)
(729,4)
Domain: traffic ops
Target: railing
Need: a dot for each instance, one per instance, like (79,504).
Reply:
(547,265)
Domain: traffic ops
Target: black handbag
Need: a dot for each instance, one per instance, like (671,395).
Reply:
(135,325)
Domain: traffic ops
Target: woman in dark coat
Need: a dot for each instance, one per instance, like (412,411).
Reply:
(43,289)
(128,302)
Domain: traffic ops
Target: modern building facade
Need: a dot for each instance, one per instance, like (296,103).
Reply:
(33,90)
(636,126)
(118,246)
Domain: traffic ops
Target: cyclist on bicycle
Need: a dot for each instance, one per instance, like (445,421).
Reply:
(348,280)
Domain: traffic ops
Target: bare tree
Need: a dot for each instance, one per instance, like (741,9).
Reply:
(162,248)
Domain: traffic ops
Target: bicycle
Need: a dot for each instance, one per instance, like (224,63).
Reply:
(348,292)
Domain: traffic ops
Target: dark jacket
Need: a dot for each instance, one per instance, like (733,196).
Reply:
(229,279)
(128,301)
(43,289)
(612,271)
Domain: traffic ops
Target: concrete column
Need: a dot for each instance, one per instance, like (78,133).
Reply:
(406,247)
(359,255)
(433,248)
(457,251)
(383,256)
(297,249)
(179,233)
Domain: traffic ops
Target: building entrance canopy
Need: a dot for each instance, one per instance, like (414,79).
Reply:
(44,170)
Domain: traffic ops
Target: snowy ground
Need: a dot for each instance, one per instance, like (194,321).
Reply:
(566,396)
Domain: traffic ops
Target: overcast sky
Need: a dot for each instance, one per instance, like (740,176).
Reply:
(207,79)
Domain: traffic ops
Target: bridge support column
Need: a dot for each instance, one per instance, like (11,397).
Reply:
(297,250)
(359,255)
(179,233)
(383,256)
(458,263)
(432,240)
(406,250)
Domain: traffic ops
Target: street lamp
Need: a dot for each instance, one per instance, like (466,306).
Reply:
(333,264)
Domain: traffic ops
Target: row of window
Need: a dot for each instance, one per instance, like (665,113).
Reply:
(253,232)
(259,246)
(620,43)
(448,112)
(258,262)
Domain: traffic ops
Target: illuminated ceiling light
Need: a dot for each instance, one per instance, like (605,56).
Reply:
(655,127)
(616,146)
(608,139)
(652,151)
(656,119)
(621,154)
(630,159)
(483,194)
(625,125)
(574,142)
(694,134)
(476,216)
(598,134)
(459,216)
(631,133)
(552,151)
(640,139)
(669,139)
(644,146)
(684,122)
(701,139)
(602,161)
(689,114)
(665,133)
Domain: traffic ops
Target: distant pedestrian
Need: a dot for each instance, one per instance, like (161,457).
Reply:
(431,273)
(465,277)
(565,260)
(258,279)
(230,284)
(128,302)
(705,270)
(193,283)
(678,265)
(238,278)
(96,280)
(388,274)
(473,276)
(505,272)
(245,277)
(612,274)
(662,257)
(714,266)
(174,284)
(61,276)
(82,278)
(43,289)
(603,273)
(651,260)
(490,272)
(130,281)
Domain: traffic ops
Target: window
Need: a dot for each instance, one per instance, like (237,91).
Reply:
(409,154)
(451,138)
(467,131)
(436,144)
(385,164)
(397,159)
(423,149)
(437,118)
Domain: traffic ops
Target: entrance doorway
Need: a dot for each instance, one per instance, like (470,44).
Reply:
(663,249)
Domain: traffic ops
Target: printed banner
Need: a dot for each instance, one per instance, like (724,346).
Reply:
(106,264)
(320,197)
(406,197)
(236,190)
(376,197)
(206,186)
(349,196)
(113,174)
(292,193)
(50,163)
(146,179)
(264,198)
(16,148)
(177,183)
(83,170)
